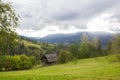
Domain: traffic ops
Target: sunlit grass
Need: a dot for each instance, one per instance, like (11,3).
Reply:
(27,43)
(86,69)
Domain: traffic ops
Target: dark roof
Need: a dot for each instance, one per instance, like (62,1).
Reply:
(51,57)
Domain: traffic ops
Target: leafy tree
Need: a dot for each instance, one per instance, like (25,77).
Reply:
(74,49)
(90,48)
(8,23)
(97,46)
(84,38)
(84,48)
(114,47)
(8,17)
(108,49)
(116,44)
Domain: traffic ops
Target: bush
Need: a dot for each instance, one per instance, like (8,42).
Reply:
(27,62)
(64,56)
(8,63)
(118,57)
(16,62)
(114,58)
(3,62)
(33,60)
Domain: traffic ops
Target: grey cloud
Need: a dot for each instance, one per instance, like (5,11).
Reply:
(65,16)
(64,13)
(95,7)
(28,16)
(117,16)
(81,26)
(114,19)
(51,30)
(80,15)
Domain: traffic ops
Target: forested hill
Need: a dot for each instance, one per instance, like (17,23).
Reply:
(75,37)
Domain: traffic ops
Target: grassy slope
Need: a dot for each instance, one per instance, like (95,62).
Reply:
(85,69)
(28,43)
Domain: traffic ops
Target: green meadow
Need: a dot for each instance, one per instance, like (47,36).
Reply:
(100,68)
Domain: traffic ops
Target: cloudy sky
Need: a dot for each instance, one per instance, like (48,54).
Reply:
(39,18)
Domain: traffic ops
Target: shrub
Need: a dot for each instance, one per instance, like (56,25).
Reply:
(25,63)
(2,59)
(33,60)
(114,58)
(8,63)
(16,62)
(64,56)
(118,57)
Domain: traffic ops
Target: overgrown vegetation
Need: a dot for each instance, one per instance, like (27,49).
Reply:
(114,46)
(16,62)
(64,56)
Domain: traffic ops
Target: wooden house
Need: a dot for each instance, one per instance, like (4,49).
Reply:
(47,59)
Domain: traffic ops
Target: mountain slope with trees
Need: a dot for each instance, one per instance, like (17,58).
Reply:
(75,37)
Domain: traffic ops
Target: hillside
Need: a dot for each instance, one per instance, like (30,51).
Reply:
(29,43)
(100,68)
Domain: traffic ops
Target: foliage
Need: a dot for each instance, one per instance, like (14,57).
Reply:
(74,49)
(114,46)
(84,49)
(5,63)
(90,48)
(26,62)
(8,23)
(114,58)
(8,42)
(109,47)
(8,17)
(64,56)
(48,48)
(97,45)
(16,62)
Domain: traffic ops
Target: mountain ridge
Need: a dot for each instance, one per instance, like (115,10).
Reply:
(74,37)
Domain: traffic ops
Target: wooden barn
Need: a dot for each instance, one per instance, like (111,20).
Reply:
(47,59)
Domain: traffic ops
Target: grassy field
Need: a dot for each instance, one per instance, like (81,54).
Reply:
(100,68)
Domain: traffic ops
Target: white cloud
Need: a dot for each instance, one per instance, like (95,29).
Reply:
(103,23)
(43,17)
(46,31)
(99,23)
